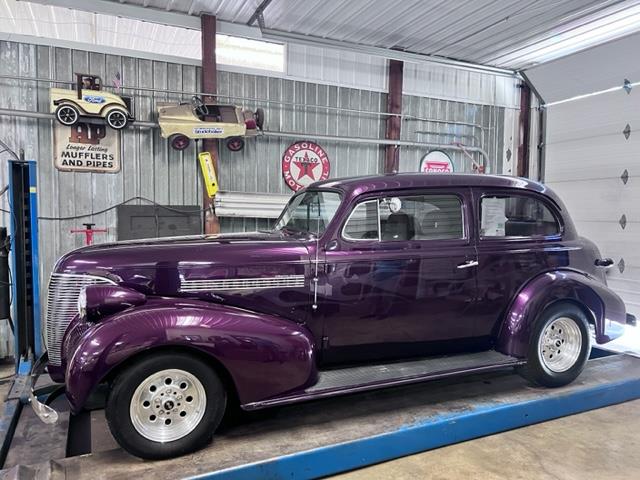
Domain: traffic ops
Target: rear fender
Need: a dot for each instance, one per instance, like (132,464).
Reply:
(562,285)
(265,356)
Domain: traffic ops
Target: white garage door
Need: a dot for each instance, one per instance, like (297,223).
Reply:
(595,167)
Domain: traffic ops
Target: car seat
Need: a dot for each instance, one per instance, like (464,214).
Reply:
(399,226)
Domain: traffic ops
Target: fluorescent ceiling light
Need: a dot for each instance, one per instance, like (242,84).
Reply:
(609,27)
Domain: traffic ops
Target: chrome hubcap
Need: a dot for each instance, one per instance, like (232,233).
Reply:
(168,405)
(67,115)
(560,345)
(117,119)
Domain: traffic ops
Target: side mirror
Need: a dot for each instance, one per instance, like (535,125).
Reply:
(331,246)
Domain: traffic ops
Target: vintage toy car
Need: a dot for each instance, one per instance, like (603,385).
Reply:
(182,122)
(89,103)
(363,283)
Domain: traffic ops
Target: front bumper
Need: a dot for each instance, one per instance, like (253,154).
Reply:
(42,410)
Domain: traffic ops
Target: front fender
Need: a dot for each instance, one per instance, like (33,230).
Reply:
(550,287)
(264,355)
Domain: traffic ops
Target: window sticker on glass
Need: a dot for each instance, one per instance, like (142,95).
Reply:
(493,217)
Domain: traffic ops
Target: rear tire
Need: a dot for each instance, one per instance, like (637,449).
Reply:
(235,144)
(559,346)
(165,405)
(117,119)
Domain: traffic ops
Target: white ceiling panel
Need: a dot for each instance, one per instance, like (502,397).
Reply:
(511,34)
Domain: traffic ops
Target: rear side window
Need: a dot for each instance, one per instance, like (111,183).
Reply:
(516,216)
(402,218)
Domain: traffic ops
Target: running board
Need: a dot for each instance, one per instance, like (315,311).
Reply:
(370,377)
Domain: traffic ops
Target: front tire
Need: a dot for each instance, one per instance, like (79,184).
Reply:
(165,405)
(559,346)
(179,142)
(67,114)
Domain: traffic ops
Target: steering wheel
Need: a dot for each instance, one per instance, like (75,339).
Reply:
(199,107)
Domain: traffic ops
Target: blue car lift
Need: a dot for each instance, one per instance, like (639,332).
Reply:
(309,440)
(25,290)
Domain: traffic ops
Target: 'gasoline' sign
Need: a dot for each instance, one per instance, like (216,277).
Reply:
(86,147)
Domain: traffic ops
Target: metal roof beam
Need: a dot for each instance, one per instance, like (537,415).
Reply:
(192,22)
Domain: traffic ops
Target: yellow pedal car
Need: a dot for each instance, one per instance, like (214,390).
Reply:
(183,122)
(89,103)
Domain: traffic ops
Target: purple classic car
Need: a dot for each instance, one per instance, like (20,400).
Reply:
(363,283)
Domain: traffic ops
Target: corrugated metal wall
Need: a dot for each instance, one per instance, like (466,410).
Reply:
(487,133)
(338,67)
(151,169)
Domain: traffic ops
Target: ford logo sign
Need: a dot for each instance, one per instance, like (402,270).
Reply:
(93,99)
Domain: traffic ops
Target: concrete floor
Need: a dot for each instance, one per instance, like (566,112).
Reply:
(601,444)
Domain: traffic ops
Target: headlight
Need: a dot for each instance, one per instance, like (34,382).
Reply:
(82,303)
(98,301)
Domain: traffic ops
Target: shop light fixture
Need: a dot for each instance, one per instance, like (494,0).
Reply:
(559,44)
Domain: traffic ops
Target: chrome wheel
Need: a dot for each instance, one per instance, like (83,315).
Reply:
(117,119)
(67,115)
(168,405)
(560,345)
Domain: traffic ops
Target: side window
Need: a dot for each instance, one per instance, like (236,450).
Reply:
(363,222)
(516,216)
(416,217)
(421,217)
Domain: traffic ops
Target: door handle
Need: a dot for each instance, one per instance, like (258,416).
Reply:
(604,262)
(468,264)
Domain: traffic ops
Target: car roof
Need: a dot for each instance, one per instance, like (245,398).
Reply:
(354,186)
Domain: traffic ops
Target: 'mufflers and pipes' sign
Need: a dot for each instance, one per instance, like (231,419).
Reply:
(304,163)
(86,147)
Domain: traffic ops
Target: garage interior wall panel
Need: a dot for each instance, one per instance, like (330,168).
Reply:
(586,156)
(336,67)
(448,83)
(258,167)
(487,134)
(151,169)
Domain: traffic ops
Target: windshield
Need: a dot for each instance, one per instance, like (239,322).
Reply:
(309,212)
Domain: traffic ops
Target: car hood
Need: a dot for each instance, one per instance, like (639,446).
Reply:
(159,265)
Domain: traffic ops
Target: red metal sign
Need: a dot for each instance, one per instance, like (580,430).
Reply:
(304,163)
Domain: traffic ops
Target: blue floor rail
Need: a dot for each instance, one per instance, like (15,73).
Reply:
(434,432)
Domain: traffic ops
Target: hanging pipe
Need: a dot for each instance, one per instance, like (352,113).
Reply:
(330,138)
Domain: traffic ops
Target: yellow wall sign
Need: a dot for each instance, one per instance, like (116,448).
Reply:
(208,173)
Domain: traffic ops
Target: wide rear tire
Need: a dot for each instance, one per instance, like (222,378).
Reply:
(117,118)
(559,346)
(165,405)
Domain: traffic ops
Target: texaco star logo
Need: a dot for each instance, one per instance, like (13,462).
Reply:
(304,163)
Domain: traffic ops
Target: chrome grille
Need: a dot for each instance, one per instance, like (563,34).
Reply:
(281,281)
(62,299)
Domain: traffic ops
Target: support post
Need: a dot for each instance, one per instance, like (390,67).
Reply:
(394,123)
(209,85)
(523,131)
